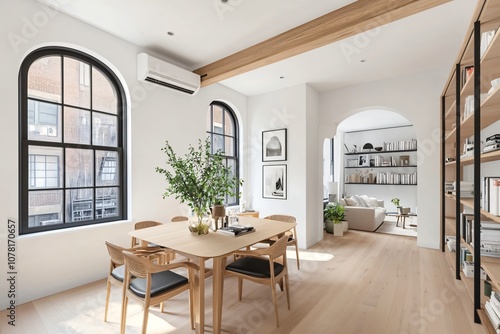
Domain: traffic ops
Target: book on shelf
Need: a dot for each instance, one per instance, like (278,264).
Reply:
(467,73)
(495,303)
(486,38)
(237,230)
(494,196)
(494,319)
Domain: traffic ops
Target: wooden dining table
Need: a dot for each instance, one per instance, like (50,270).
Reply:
(214,245)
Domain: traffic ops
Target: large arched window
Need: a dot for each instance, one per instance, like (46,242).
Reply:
(72,141)
(222,129)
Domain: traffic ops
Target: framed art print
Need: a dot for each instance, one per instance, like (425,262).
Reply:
(364,161)
(274,181)
(274,145)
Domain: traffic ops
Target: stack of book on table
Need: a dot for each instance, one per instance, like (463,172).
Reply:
(236,230)
(493,310)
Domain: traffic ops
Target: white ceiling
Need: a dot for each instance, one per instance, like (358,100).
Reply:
(208,30)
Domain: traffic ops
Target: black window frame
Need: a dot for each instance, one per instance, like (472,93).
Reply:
(236,141)
(24,142)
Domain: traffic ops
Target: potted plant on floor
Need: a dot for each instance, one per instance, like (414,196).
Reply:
(333,215)
(200,178)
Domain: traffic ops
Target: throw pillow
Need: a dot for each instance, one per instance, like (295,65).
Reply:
(360,201)
(342,202)
(351,201)
(367,201)
(373,202)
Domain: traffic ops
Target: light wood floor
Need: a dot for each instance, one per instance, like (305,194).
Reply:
(375,283)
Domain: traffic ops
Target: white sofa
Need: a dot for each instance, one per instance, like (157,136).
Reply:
(363,212)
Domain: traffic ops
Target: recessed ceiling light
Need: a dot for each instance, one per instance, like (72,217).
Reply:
(363,60)
(282,77)
(170,33)
(224,1)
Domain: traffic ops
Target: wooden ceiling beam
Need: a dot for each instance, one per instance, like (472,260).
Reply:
(347,21)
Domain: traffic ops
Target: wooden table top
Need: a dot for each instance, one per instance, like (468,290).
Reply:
(177,237)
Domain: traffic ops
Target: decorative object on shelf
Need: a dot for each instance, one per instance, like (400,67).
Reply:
(352,163)
(364,161)
(274,181)
(368,147)
(365,175)
(404,160)
(200,179)
(274,145)
(333,215)
(379,148)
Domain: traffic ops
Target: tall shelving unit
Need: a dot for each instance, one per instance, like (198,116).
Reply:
(456,129)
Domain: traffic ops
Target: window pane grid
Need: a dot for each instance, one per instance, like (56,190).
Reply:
(88,197)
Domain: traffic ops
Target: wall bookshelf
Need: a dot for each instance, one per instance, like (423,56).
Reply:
(468,106)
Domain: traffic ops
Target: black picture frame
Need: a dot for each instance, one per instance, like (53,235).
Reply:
(274,145)
(274,182)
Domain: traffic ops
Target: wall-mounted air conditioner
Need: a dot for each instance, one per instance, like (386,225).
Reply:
(162,73)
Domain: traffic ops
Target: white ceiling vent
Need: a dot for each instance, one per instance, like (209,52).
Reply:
(165,74)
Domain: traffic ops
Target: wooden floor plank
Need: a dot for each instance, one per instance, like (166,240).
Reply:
(359,283)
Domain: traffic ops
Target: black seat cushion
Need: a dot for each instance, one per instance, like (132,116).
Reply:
(119,273)
(255,267)
(161,282)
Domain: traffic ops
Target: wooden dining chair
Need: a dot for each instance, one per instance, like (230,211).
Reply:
(164,257)
(140,225)
(292,234)
(116,272)
(153,284)
(266,266)
(179,219)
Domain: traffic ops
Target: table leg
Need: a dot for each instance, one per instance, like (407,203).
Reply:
(218,288)
(200,298)
(404,220)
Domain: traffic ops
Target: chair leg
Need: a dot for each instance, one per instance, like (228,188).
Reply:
(287,291)
(108,291)
(124,315)
(280,283)
(240,288)
(297,252)
(145,318)
(275,302)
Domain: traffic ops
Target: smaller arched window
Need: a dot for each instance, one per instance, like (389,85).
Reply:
(222,130)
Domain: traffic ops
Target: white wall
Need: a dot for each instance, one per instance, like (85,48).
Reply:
(417,98)
(51,262)
(294,108)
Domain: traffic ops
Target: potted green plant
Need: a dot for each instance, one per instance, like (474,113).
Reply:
(402,210)
(200,179)
(333,215)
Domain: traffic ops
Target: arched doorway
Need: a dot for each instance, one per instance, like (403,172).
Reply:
(386,173)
